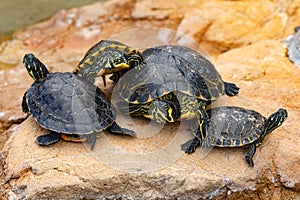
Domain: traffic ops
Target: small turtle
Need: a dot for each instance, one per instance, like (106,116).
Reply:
(69,106)
(293,45)
(175,83)
(235,127)
(107,57)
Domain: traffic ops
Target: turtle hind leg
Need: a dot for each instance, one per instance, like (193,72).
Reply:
(231,89)
(250,154)
(191,145)
(48,139)
(116,129)
(92,139)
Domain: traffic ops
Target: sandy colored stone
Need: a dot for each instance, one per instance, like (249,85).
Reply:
(223,25)
(65,37)
(70,170)
(245,38)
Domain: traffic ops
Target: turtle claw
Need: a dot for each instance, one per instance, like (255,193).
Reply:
(116,129)
(249,160)
(190,146)
(231,89)
(24,104)
(126,131)
(92,140)
(250,154)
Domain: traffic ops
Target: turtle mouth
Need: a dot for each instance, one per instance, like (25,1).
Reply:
(113,69)
(170,119)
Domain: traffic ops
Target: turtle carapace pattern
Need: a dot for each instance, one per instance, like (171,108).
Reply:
(107,57)
(175,83)
(234,127)
(67,105)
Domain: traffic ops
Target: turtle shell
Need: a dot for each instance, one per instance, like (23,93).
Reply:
(234,126)
(171,68)
(65,103)
(105,57)
(103,43)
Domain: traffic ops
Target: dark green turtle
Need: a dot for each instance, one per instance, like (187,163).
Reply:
(67,105)
(175,83)
(235,127)
(293,47)
(107,57)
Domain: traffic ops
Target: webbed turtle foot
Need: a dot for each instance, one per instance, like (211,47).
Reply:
(190,146)
(48,139)
(116,129)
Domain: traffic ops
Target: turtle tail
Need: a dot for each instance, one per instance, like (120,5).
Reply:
(231,89)
(275,120)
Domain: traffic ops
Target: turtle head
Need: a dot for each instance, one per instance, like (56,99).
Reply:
(164,111)
(35,68)
(108,60)
(135,59)
(275,120)
(120,58)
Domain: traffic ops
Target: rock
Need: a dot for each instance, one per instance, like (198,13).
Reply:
(246,40)
(292,42)
(70,170)
(154,166)
(212,23)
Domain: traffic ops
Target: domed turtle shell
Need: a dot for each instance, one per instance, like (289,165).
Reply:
(65,103)
(171,68)
(107,57)
(234,126)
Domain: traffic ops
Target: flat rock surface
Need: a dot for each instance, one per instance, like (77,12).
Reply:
(246,43)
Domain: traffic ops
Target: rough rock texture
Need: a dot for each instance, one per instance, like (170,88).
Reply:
(245,38)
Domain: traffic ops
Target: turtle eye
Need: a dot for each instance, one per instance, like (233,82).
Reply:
(163,106)
(117,61)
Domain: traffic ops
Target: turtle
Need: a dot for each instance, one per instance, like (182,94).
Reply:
(293,46)
(235,127)
(175,83)
(107,57)
(69,106)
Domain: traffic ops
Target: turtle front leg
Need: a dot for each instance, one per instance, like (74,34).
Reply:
(250,154)
(92,139)
(200,132)
(191,145)
(48,139)
(116,129)
(203,124)
(24,104)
